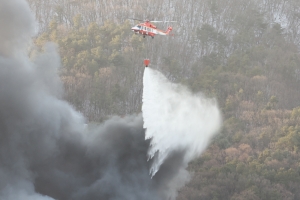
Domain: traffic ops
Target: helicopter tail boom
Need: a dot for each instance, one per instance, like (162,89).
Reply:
(166,32)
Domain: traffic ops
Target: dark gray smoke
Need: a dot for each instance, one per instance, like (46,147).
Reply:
(46,151)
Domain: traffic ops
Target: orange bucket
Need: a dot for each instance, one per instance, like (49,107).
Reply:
(146,62)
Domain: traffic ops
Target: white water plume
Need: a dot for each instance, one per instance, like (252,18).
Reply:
(176,119)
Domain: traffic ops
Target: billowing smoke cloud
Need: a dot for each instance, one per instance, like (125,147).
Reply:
(47,152)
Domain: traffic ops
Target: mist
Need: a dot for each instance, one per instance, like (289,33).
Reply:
(48,152)
(175,118)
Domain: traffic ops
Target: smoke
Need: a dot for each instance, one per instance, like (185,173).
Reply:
(16,29)
(47,152)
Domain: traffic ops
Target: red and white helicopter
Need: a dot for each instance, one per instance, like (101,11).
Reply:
(148,29)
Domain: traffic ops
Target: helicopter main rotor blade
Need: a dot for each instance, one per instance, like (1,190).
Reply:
(162,21)
(136,19)
(154,21)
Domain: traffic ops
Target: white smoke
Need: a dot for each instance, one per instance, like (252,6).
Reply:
(175,119)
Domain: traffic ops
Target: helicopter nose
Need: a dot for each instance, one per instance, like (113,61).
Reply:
(134,28)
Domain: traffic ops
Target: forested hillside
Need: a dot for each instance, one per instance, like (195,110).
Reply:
(243,53)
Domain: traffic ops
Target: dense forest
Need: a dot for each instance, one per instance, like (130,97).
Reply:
(243,53)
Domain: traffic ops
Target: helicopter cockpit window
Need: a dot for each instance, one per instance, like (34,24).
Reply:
(139,27)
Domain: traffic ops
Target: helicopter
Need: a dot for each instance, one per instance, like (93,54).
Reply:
(146,28)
